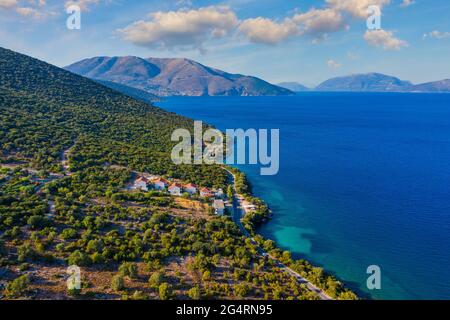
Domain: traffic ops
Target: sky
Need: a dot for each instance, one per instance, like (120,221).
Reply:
(277,40)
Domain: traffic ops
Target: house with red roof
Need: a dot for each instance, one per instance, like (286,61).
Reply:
(160,184)
(190,188)
(206,193)
(175,189)
(141,183)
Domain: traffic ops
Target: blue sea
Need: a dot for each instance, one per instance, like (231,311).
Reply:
(364,180)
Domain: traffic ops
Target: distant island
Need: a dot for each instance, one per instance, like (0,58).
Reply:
(294,86)
(173,77)
(371,82)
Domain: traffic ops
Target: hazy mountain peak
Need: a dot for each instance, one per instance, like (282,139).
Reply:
(293,86)
(371,82)
(173,76)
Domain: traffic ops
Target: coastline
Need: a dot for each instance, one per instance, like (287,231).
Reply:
(328,213)
(316,279)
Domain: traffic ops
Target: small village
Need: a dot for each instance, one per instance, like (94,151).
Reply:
(176,188)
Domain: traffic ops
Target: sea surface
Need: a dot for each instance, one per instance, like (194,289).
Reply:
(364,180)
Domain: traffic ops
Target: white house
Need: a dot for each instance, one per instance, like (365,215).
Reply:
(219,207)
(220,194)
(206,193)
(248,206)
(190,188)
(141,183)
(160,184)
(175,189)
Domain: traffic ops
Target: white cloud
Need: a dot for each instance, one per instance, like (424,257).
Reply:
(263,30)
(31,8)
(30,12)
(356,8)
(437,34)
(316,23)
(191,28)
(333,64)
(8,4)
(384,39)
(319,22)
(182,28)
(407,3)
(83,4)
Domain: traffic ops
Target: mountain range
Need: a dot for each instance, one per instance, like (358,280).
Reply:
(145,79)
(173,77)
(371,82)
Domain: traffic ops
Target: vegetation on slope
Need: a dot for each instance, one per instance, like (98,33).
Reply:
(68,148)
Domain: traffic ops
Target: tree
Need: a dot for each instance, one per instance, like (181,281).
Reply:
(38,222)
(206,275)
(165,291)
(230,192)
(348,295)
(79,258)
(17,287)
(155,280)
(117,283)
(94,246)
(26,252)
(194,293)
(241,290)
(286,257)
(128,269)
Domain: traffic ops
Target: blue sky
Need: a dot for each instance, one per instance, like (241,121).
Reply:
(277,40)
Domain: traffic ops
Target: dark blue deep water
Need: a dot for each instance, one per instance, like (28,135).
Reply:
(364,179)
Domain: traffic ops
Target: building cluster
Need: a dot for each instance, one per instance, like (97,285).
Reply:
(176,188)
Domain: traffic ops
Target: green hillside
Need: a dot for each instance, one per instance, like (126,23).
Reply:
(46,109)
(69,148)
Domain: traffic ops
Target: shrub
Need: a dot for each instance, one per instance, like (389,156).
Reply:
(26,252)
(17,287)
(117,283)
(206,275)
(155,280)
(128,269)
(38,222)
(165,291)
(94,246)
(79,258)
(240,290)
(139,295)
(194,293)
(97,258)
(68,233)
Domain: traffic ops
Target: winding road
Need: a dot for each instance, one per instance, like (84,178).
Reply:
(238,213)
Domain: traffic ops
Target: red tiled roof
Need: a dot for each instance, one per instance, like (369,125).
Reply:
(161,180)
(190,185)
(174,185)
(143,179)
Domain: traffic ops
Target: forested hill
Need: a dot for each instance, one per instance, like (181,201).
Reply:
(45,109)
(70,150)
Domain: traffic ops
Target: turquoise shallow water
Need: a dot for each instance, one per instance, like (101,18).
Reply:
(364,179)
